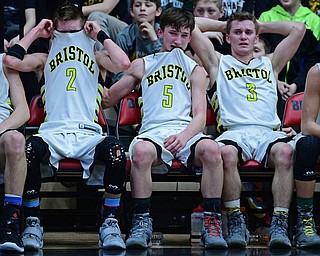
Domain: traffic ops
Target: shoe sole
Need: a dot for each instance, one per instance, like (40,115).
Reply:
(236,244)
(216,246)
(315,245)
(279,244)
(136,245)
(32,247)
(12,247)
(112,247)
(213,245)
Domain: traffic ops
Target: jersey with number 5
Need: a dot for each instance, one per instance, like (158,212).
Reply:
(247,93)
(166,90)
(71,90)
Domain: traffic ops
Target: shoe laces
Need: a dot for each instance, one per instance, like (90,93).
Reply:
(308,227)
(33,223)
(212,225)
(279,224)
(140,226)
(113,225)
(236,220)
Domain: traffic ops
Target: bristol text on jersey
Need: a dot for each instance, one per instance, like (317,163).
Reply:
(72,53)
(168,71)
(249,72)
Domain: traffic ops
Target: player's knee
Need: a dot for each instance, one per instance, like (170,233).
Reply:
(308,146)
(14,143)
(304,174)
(35,150)
(284,157)
(143,154)
(117,156)
(307,152)
(209,151)
(229,156)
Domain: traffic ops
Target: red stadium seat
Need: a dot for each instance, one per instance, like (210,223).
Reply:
(293,110)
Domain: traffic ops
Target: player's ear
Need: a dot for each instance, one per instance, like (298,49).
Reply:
(257,39)
(160,33)
(228,38)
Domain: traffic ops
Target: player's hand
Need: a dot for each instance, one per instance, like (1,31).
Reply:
(289,131)
(214,35)
(13,41)
(105,98)
(92,28)
(292,88)
(283,88)
(45,28)
(147,30)
(175,143)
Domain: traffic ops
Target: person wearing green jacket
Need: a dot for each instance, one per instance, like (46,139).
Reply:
(293,77)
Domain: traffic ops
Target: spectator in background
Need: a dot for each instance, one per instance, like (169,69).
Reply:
(112,15)
(140,38)
(293,76)
(252,6)
(212,9)
(183,4)
(12,20)
(19,19)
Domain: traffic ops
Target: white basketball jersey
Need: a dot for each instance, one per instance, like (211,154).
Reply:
(71,79)
(247,93)
(5,102)
(166,90)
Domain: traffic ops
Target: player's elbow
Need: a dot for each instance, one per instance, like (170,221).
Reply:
(9,61)
(126,64)
(26,115)
(300,27)
(122,65)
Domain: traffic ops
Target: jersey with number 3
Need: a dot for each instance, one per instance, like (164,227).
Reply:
(71,92)
(166,90)
(247,93)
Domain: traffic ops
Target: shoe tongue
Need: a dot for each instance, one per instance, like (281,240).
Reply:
(110,220)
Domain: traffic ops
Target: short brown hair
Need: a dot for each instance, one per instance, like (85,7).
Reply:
(157,2)
(67,11)
(241,16)
(218,3)
(177,18)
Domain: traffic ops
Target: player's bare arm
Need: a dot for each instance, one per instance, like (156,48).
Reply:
(311,103)
(177,142)
(125,85)
(112,58)
(106,6)
(20,113)
(206,53)
(294,32)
